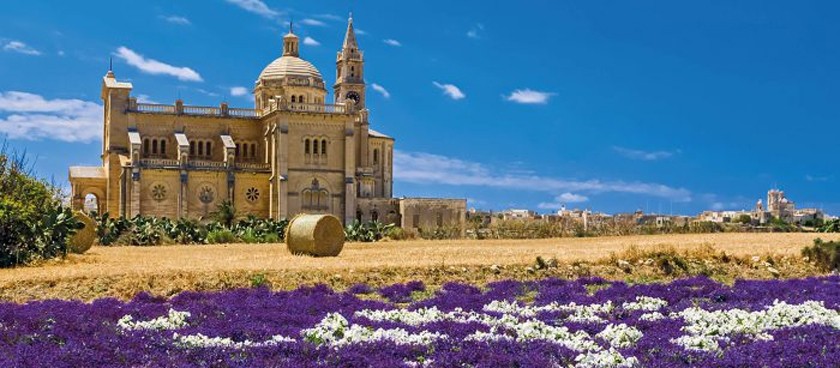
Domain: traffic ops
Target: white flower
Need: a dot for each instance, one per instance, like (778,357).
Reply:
(645,303)
(621,335)
(173,320)
(652,316)
(605,359)
(201,341)
(703,327)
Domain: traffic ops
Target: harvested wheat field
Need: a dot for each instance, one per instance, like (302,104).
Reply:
(165,270)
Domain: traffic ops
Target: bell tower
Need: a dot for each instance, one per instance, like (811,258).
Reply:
(350,66)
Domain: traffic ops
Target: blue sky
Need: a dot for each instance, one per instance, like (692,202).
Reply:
(664,106)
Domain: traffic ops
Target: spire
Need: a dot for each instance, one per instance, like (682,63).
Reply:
(290,42)
(110,73)
(350,36)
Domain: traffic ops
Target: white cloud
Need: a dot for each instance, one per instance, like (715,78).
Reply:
(175,19)
(814,178)
(206,92)
(153,66)
(256,7)
(360,31)
(563,199)
(635,154)
(425,168)
(450,90)
(476,31)
(392,42)
(329,17)
(20,47)
(146,99)
(238,91)
(313,22)
(381,90)
(33,117)
(529,96)
(309,41)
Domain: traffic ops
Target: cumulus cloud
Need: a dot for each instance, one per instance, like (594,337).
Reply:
(313,22)
(476,31)
(563,199)
(329,17)
(146,99)
(635,154)
(238,91)
(529,96)
(309,41)
(392,42)
(450,90)
(426,168)
(20,48)
(175,19)
(32,117)
(256,6)
(153,66)
(381,90)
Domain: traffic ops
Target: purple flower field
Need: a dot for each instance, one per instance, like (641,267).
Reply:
(549,323)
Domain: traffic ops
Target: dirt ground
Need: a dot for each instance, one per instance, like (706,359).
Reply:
(123,271)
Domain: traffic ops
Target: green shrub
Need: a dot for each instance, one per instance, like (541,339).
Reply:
(221,236)
(826,255)
(832,226)
(366,232)
(33,223)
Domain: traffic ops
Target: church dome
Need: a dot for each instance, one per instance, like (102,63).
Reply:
(290,66)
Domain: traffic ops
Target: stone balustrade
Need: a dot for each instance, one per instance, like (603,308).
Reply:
(223,110)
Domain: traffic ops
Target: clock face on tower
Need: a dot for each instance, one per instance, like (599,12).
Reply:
(352,95)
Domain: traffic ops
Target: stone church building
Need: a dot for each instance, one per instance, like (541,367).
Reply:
(292,153)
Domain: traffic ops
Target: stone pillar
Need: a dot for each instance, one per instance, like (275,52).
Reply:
(283,169)
(134,207)
(183,195)
(349,173)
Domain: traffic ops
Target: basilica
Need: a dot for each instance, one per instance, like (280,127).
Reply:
(293,152)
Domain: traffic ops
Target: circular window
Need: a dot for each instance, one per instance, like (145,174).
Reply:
(158,192)
(252,194)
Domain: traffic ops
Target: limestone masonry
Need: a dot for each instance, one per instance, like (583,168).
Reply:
(293,153)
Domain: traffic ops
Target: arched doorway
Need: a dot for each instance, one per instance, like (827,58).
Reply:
(91,204)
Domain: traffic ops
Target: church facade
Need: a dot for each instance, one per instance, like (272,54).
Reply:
(294,152)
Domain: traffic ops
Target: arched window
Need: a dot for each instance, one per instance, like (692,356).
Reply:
(192,148)
(306,146)
(324,147)
(301,99)
(375,156)
(145,147)
(374,216)
(154,146)
(244,150)
(237,150)
(352,71)
(162,146)
(293,98)
(315,146)
(253,150)
(208,150)
(201,148)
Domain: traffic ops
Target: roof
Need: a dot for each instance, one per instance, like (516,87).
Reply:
(83,172)
(373,133)
(134,138)
(181,138)
(227,141)
(290,66)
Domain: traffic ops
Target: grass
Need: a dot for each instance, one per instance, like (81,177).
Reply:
(122,272)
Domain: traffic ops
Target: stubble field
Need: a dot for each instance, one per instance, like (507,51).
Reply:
(122,272)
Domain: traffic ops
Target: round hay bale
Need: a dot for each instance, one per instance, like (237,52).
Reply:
(315,235)
(84,237)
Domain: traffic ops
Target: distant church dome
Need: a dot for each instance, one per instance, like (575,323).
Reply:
(290,66)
